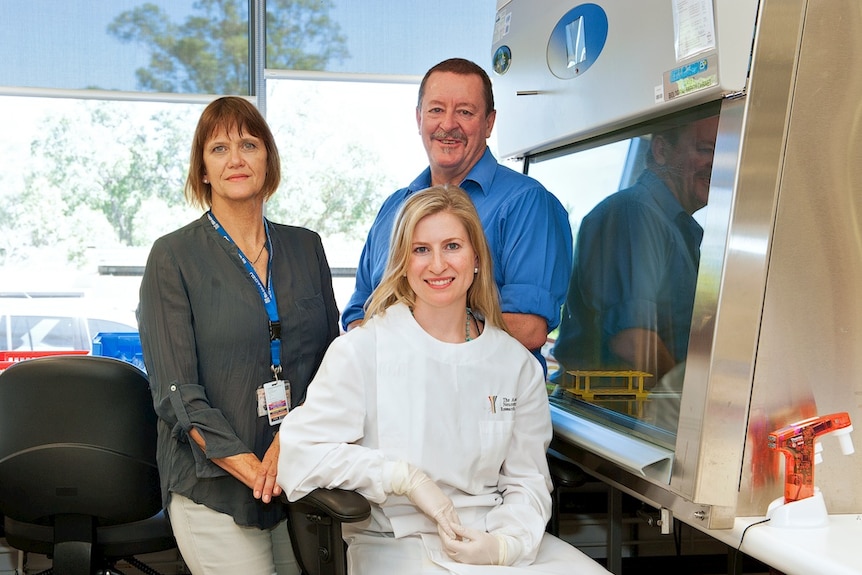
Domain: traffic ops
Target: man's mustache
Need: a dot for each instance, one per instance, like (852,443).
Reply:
(453,135)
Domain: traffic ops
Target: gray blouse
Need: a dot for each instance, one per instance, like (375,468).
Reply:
(205,337)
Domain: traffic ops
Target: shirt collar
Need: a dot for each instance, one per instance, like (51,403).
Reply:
(661,194)
(671,207)
(478,178)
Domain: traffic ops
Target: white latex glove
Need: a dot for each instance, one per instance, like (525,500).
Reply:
(476,547)
(426,495)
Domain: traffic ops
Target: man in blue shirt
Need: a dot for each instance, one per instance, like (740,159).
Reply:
(527,227)
(631,295)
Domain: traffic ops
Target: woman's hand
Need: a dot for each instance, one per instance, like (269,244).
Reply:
(474,547)
(265,487)
(425,494)
(257,475)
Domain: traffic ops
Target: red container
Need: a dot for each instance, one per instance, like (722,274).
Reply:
(8,358)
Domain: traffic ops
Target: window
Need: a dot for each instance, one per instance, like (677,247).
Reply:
(192,47)
(636,207)
(101,106)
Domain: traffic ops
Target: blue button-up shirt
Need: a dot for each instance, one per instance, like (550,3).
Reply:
(528,233)
(636,264)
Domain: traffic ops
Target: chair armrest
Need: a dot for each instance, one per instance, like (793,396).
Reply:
(342,505)
(564,471)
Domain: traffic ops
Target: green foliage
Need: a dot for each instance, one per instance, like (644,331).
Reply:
(301,35)
(333,194)
(105,173)
(94,170)
(208,53)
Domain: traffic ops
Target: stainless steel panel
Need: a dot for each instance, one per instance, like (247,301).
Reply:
(729,300)
(659,496)
(777,327)
(809,357)
(714,403)
(620,88)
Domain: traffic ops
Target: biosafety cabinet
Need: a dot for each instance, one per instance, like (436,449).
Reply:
(775,335)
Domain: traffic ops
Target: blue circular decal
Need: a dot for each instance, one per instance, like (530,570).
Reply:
(577,41)
(502,60)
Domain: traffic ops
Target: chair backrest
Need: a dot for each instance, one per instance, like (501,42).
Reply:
(77,436)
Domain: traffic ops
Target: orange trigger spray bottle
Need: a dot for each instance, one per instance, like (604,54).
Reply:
(799,444)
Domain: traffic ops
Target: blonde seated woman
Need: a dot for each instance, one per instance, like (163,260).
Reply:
(434,413)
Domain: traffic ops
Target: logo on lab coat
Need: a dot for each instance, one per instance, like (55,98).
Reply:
(506,403)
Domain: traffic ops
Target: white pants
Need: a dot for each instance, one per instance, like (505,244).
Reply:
(212,544)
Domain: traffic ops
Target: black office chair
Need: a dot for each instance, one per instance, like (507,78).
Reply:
(78,475)
(315,528)
(565,475)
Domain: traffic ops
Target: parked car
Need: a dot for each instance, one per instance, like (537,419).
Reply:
(57,321)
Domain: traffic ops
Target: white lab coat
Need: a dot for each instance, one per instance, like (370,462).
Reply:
(474,416)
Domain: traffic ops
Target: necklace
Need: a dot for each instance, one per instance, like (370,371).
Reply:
(259,253)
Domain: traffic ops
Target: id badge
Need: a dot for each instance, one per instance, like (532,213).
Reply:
(273,400)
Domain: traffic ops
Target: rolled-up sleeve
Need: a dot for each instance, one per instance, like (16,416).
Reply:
(166,326)
(534,247)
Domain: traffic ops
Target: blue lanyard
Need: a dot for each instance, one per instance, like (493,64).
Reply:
(267,293)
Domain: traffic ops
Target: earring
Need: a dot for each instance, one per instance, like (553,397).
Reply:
(475,270)
(206,180)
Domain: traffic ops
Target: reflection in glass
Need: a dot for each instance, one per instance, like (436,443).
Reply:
(576,48)
(624,334)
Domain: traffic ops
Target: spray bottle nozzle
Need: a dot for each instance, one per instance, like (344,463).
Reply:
(844,439)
